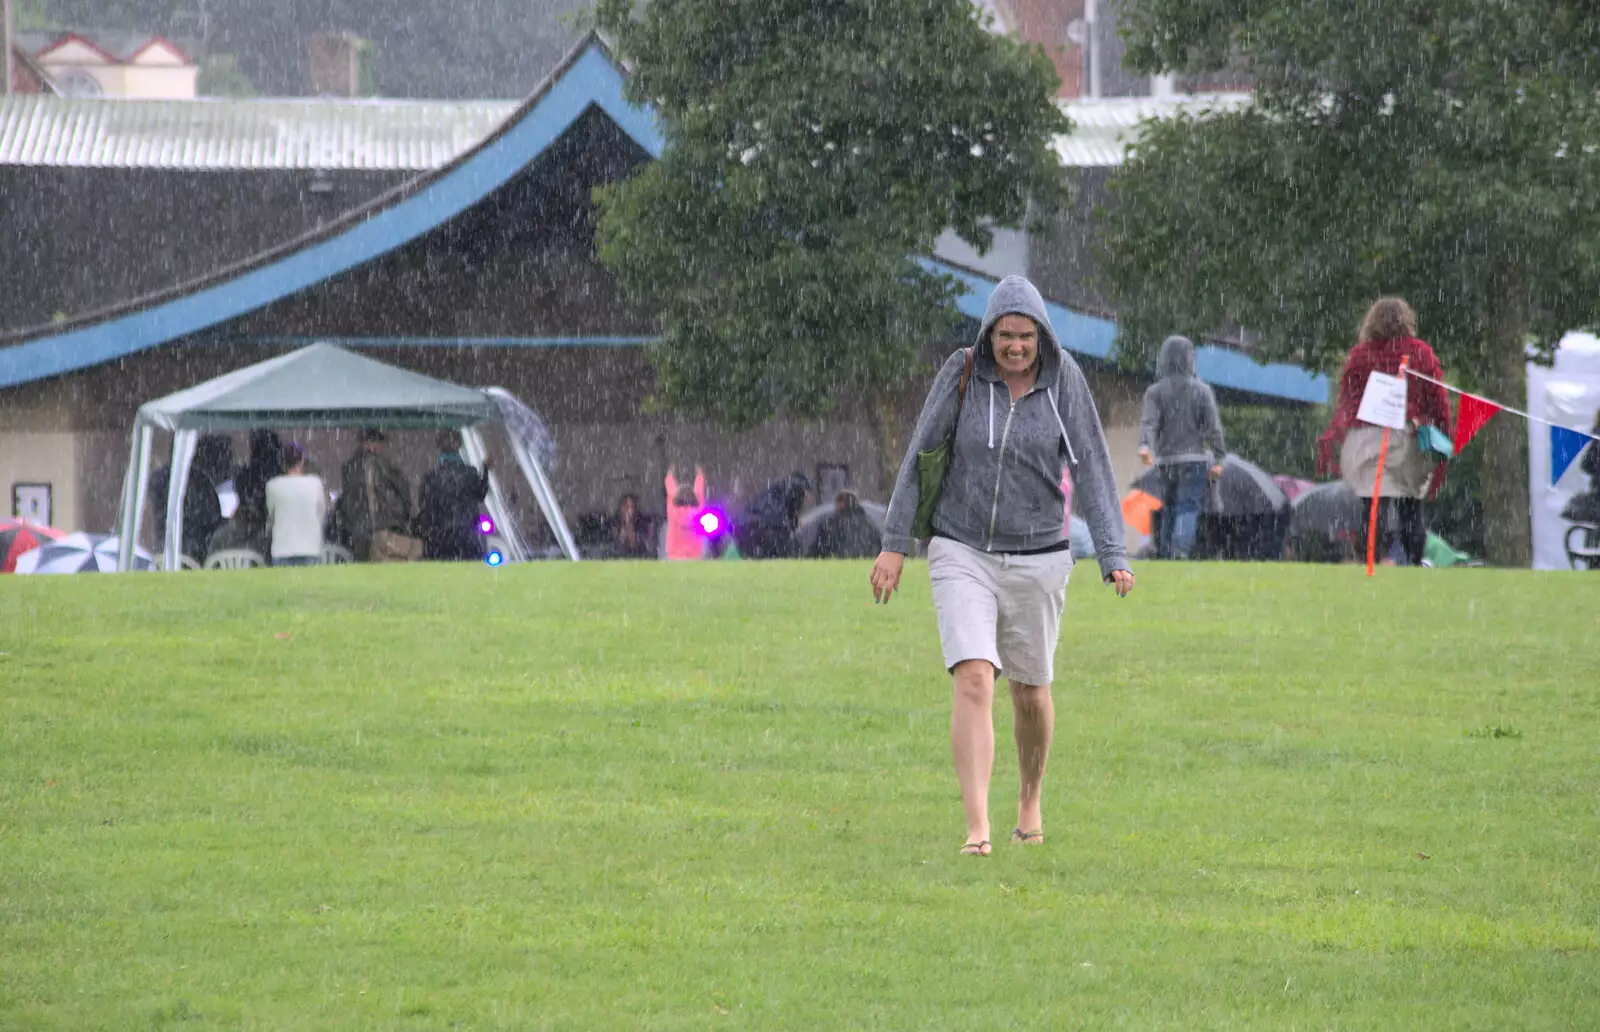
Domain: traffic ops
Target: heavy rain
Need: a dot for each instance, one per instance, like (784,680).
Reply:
(622,464)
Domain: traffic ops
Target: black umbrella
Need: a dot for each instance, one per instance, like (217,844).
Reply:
(805,535)
(1244,489)
(1325,523)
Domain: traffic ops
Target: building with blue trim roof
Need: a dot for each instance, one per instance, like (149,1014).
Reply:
(254,229)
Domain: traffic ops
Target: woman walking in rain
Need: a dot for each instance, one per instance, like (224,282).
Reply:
(1388,337)
(1015,413)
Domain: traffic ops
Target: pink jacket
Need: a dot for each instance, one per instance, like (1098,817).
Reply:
(683,538)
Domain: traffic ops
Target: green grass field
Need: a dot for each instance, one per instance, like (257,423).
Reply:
(703,796)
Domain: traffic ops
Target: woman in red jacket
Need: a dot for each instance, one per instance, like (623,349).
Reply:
(1388,335)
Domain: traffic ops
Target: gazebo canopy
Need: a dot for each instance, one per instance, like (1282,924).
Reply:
(319,386)
(322,386)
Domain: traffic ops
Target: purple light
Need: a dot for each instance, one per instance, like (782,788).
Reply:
(485,525)
(710,523)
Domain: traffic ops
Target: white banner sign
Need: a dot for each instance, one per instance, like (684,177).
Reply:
(1384,402)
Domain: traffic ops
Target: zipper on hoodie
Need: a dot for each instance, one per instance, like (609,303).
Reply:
(999,471)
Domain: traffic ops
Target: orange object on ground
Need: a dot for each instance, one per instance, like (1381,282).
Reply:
(1137,508)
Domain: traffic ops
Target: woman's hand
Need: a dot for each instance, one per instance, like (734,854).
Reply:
(886,575)
(1122,580)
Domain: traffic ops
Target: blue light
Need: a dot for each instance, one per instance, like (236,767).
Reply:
(494,558)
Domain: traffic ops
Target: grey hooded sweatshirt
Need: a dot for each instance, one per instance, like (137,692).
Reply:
(1180,421)
(1002,491)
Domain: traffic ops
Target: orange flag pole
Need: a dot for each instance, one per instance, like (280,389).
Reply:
(1377,486)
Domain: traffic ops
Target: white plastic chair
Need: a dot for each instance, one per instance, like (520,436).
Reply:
(234,559)
(336,555)
(185,562)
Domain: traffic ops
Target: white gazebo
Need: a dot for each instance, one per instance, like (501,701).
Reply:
(323,386)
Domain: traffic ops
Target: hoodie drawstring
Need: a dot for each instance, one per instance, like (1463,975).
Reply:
(1050,392)
(991,415)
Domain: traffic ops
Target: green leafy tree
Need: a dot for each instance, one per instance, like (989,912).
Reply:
(1442,150)
(1281,437)
(815,149)
(104,14)
(220,77)
(29,15)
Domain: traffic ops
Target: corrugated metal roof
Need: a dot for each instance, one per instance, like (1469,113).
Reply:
(1106,127)
(399,135)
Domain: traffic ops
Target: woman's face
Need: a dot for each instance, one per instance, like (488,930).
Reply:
(1016,344)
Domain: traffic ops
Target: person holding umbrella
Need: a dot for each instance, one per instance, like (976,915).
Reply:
(847,532)
(1011,413)
(1180,433)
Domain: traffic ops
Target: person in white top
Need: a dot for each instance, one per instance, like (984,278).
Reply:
(296,504)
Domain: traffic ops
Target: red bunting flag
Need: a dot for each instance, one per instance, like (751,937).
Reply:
(1472,413)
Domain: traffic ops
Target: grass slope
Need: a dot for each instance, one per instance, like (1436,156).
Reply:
(699,796)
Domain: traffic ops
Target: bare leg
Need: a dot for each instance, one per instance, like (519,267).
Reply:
(972,741)
(1034,726)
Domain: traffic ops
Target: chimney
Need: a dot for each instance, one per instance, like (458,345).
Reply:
(1063,28)
(335,64)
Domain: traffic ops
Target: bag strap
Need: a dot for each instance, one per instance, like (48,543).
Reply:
(372,498)
(961,392)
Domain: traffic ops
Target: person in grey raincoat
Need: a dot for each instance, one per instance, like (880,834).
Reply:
(1001,556)
(1180,433)
(374,495)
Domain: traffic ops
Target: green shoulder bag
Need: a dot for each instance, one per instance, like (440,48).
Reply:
(933,464)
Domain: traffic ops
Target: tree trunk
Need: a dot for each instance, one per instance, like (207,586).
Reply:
(891,438)
(1507,534)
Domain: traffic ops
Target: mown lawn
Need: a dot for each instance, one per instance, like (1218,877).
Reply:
(701,796)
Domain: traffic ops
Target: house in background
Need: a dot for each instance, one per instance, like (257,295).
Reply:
(341,64)
(1083,42)
(106,64)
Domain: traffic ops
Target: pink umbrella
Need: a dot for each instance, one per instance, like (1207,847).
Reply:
(1293,487)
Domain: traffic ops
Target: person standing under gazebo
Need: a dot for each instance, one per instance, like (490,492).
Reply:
(451,503)
(296,502)
(374,495)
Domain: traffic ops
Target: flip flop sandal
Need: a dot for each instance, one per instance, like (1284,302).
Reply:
(1029,838)
(976,848)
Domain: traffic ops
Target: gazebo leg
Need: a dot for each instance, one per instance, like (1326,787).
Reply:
(134,488)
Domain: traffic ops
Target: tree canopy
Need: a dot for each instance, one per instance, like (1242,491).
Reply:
(1443,150)
(816,149)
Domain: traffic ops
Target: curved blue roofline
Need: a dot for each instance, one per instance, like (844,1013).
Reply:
(591,79)
(1097,337)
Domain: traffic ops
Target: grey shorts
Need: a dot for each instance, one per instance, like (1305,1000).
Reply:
(1005,609)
